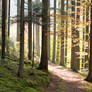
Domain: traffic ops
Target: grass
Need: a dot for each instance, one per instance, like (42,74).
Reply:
(61,87)
(88,86)
(33,80)
(89,89)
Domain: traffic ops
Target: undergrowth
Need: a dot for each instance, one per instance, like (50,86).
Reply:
(62,87)
(33,80)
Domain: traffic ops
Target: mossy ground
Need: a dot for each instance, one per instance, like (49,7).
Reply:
(33,80)
(88,86)
(62,87)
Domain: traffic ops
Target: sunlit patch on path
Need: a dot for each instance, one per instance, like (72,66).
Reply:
(70,79)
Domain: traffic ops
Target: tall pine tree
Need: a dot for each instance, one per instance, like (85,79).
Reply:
(30,29)
(62,34)
(89,77)
(45,21)
(4,26)
(54,37)
(21,63)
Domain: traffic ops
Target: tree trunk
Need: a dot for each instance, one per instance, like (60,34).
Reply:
(4,19)
(58,49)
(38,33)
(66,31)
(37,38)
(45,20)
(49,35)
(87,36)
(33,44)
(30,29)
(89,77)
(54,37)
(78,30)
(9,18)
(18,19)
(75,35)
(73,29)
(9,4)
(62,34)
(21,63)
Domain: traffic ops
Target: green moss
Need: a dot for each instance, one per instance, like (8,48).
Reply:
(28,89)
(89,89)
(62,87)
(32,81)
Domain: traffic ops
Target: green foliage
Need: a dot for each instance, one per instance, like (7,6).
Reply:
(62,87)
(10,45)
(89,89)
(32,81)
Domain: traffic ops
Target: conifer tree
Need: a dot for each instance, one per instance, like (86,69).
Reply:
(45,21)
(21,63)
(30,29)
(89,77)
(4,26)
(18,19)
(62,34)
(54,37)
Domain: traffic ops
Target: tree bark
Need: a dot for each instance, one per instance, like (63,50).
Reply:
(30,29)
(89,77)
(87,36)
(66,32)
(9,18)
(73,29)
(21,63)
(38,32)
(37,39)
(54,37)
(75,62)
(49,35)
(58,49)
(45,20)
(4,26)
(18,19)
(62,35)
(9,4)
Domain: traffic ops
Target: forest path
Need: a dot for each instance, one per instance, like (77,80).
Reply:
(64,80)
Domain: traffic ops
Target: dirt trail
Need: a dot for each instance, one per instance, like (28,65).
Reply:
(71,80)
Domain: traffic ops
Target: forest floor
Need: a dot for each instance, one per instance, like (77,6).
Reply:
(32,80)
(64,80)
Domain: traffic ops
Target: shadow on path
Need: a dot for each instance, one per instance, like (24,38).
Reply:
(71,80)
